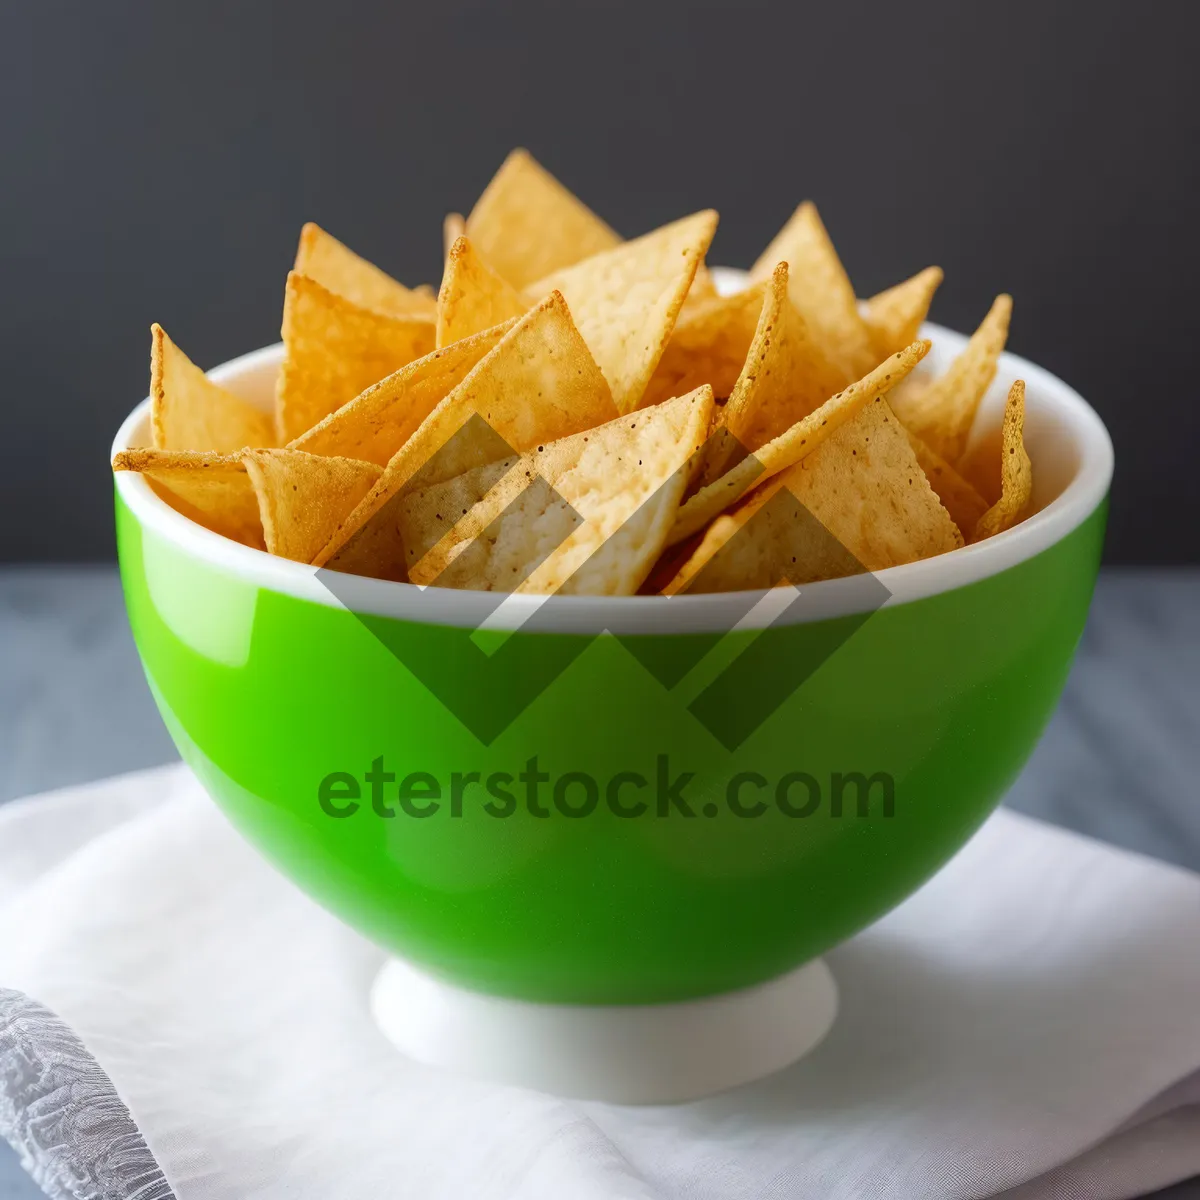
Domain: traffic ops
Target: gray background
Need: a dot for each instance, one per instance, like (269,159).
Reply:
(159,159)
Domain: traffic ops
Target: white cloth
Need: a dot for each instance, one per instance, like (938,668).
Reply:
(1030,1020)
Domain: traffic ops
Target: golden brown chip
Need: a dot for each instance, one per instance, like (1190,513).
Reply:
(942,413)
(786,376)
(526,224)
(453,227)
(859,502)
(669,563)
(190,412)
(473,297)
(980,463)
(335,349)
(322,257)
(586,515)
(894,317)
(964,504)
(794,444)
(377,422)
(703,288)
(769,539)
(303,497)
(211,489)
(537,385)
(625,301)
(1016,471)
(820,289)
(709,344)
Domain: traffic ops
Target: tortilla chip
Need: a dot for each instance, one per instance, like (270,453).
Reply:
(859,502)
(303,497)
(586,515)
(526,224)
(190,412)
(768,540)
(786,376)
(538,384)
(668,565)
(336,349)
(821,290)
(453,227)
(473,297)
(211,489)
(703,288)
(377,422)
(322,257)
(894,318)
(960,499)
(942,413)
(626,300)
(980,463)
(1016,471)
(709,344)
(794,444)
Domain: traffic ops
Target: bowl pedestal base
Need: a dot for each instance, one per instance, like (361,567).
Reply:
(626,1054)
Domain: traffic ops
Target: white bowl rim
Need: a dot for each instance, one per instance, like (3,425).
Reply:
(717,611)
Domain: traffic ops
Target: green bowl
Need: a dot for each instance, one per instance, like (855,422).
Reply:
(617,801)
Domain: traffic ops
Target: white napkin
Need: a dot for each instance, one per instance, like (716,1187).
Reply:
(1029,1021)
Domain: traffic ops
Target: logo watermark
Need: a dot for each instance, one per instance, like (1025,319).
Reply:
(661,793)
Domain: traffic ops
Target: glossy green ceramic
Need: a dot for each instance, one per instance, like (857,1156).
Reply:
(739,866)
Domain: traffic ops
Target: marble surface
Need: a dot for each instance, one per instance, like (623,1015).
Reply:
(1120,760)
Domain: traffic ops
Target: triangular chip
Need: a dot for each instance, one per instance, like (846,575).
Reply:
(303,497)
(211,489)
(942,413)
(626,300)
(785,377)
(526,224)
(820,290)
(377,422)
(768,540)
(587,515)
(709,344)
(322,257)
(864,487)
(453,227)
(472,297)
(190,412)
(537,385)
(794,444)
(1016,471)
(703,288)
(980,463)
(894,317)
(335,349)
(959,497)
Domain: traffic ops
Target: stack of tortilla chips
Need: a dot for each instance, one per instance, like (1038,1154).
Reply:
(581,414)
